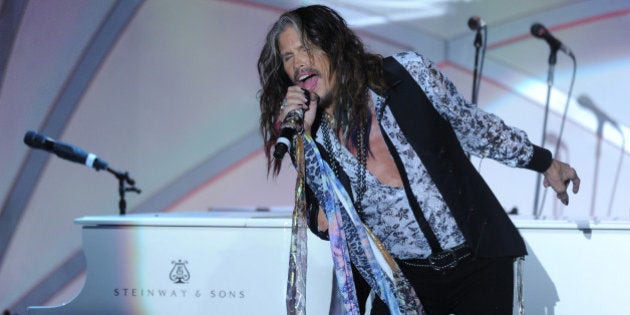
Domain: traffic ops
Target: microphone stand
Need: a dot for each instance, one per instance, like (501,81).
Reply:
(123,181)
(552,65)
(477,44)
(598,154)
(614,189)
(477,67)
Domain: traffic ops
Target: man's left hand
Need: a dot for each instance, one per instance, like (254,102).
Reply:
(559,175)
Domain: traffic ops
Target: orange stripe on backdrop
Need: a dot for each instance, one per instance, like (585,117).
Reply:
(563,26)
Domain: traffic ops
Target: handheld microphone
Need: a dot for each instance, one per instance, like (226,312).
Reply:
(476,23)
(539,31)
(291,124)
(63,150)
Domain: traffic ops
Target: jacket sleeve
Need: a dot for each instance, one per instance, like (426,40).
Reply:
(480,133)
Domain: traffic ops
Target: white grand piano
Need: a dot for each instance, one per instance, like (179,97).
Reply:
(236,262)
(193,263)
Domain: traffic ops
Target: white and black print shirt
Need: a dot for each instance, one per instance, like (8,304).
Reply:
(386,210)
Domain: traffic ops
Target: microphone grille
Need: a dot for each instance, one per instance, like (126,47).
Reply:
(585,101)
(475,22)
(537,30)
(34,139)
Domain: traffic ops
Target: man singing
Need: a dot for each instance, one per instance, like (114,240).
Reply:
(385,144)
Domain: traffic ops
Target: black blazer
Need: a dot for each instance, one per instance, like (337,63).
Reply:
(484,223)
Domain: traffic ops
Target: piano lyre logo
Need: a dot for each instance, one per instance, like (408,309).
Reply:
(179,273)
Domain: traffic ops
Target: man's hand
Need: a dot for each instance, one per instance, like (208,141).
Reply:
(322,221)
(295,99)
(559,175)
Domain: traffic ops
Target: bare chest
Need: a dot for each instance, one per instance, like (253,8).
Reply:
(380,163)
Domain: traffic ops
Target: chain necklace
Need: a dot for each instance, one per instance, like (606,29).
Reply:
(361,166)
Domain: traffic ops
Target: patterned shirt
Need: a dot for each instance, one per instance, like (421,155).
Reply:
(386,210)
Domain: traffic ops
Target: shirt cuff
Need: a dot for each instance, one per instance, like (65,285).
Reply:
(541,159)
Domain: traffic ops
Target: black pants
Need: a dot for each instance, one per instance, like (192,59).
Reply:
(475,286)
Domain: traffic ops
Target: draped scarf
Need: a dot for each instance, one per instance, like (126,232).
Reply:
(350,241)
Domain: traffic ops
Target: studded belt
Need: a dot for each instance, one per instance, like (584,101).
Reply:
(444,260)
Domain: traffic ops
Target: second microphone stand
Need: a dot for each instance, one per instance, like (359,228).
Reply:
(552,65)
(480,52)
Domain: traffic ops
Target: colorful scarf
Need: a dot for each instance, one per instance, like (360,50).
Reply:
(350,242)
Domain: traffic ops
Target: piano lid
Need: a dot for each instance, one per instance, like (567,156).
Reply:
(268,219)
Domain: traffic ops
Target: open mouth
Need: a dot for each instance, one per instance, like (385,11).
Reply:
(308,80)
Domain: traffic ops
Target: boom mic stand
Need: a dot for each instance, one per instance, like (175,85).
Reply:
(75,154)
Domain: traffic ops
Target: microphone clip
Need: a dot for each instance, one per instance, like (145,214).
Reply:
(125,184)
